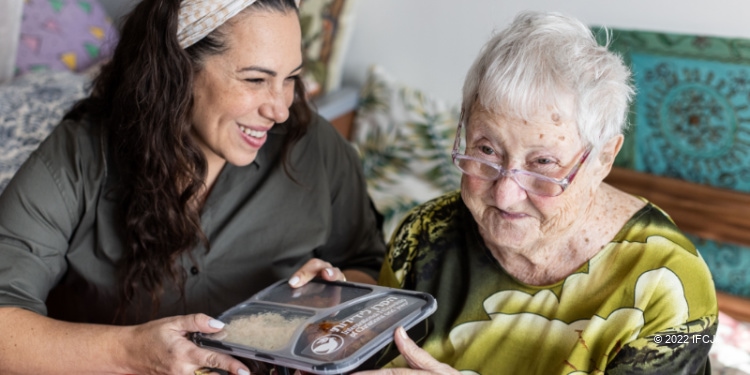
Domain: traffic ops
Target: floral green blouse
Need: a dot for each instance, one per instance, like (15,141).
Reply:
(644,304)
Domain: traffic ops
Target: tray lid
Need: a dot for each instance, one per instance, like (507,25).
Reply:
(322,327)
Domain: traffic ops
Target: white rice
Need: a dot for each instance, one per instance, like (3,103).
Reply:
(266,331)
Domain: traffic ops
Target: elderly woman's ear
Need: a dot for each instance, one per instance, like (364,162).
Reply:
(609,152)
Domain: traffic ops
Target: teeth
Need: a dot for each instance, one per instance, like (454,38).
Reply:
(253,133)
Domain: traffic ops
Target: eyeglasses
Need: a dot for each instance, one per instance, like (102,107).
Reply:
(531,182)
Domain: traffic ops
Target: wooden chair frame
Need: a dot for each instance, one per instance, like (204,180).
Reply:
(705,211)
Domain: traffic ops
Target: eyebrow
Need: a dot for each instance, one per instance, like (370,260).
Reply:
(267,71)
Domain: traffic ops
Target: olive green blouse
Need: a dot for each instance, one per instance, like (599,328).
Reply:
(60,242)
(644,304)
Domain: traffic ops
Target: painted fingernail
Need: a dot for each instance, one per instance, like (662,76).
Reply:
(294,280)
(242,371)
(329,271)
(213,323)
(402,332)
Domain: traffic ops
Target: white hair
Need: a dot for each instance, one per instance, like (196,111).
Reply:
(551,62)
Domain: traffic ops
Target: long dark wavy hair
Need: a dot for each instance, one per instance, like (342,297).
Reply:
(143,99)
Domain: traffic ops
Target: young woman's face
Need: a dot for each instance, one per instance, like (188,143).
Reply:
(241,93)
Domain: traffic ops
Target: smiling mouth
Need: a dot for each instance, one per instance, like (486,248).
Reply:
(253,133)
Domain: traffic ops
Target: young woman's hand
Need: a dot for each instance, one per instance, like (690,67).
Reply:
(316,268)
(162,347)
(420,362)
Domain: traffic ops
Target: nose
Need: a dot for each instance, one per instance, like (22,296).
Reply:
(506,191)
(276,104)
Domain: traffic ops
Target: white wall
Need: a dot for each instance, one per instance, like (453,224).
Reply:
(10,29)
(429,44)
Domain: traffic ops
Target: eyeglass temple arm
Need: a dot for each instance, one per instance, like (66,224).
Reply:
(457,141)
(574,172)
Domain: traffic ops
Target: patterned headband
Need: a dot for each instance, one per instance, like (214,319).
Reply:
(198,18)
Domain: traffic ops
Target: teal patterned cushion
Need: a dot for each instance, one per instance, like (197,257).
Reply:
(728,264)
(404,138)
(691,121)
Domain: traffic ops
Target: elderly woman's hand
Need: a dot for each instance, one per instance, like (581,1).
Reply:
(162,347)
(420,362)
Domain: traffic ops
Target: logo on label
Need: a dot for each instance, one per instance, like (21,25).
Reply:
(327,344)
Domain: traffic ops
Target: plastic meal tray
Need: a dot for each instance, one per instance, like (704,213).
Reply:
(321,328)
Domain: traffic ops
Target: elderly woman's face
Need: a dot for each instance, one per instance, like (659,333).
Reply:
(241,93)
(507,215)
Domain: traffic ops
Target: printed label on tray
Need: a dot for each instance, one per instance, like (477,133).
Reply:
(341,334)
(327,344)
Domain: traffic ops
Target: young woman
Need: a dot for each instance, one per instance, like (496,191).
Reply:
(194,175)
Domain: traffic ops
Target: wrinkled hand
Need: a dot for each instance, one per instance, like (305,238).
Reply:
(162,347)
(315,267)
(420,362)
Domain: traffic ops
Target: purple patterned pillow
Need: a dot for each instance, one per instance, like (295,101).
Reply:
(64,35)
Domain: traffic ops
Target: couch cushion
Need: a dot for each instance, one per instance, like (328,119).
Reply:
(64,35)
(404,137)
(30,107)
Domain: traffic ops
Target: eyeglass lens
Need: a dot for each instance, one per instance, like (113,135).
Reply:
(527,181)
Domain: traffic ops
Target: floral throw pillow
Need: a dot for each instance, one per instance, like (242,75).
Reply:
(326,28)
(404,138)
(60,35)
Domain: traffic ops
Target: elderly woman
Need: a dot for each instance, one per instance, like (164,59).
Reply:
(538,266)
(194,175)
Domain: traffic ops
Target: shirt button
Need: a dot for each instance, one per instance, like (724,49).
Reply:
(194,271)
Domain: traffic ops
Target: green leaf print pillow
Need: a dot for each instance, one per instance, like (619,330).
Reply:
(404,138)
